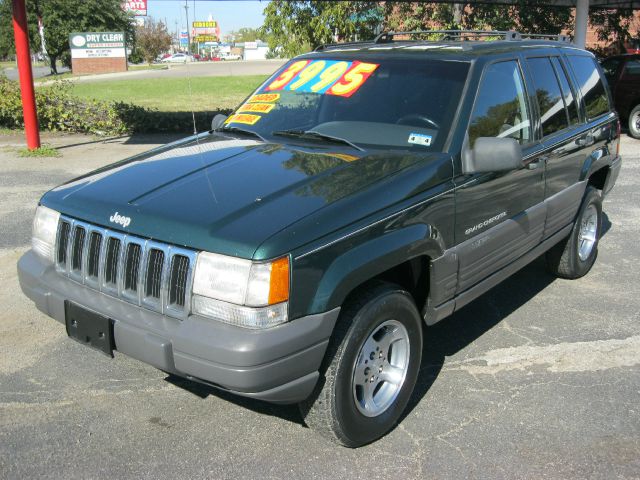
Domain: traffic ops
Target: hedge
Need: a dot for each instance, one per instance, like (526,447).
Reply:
(60,111)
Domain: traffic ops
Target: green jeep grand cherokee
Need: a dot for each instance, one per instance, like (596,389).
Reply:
(297,252)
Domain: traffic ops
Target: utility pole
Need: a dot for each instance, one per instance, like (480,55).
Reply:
(26,76)
(186,11)
(458,9)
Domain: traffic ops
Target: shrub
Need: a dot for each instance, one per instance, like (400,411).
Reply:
(59,110)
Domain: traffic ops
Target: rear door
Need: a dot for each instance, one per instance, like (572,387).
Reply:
(569,152)
(563,152)
(499,215)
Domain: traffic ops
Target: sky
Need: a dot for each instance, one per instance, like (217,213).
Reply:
(231,15)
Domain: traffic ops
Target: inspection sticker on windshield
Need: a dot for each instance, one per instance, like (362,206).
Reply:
(243,118)
(420,139)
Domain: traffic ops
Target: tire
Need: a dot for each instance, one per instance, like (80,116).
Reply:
(574,256)
(634,122)
(337,408)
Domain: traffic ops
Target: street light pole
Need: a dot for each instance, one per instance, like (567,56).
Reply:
(186,11)
(582,21)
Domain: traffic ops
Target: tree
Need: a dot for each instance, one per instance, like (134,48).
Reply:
(526,16)
(7,41)
(612,25)
(245,34)
(62,17)
(294,27)
(152,39)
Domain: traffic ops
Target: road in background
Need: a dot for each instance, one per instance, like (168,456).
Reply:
(195,69)
(38,72)
(539,378)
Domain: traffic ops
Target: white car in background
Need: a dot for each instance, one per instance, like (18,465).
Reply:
(230,56)
(178,58)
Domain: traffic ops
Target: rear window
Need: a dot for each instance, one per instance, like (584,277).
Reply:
(596,101)
(553,116)
(567,93)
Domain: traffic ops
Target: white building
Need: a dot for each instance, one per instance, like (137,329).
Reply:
(254,50)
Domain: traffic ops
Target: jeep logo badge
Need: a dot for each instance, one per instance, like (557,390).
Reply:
(120,219)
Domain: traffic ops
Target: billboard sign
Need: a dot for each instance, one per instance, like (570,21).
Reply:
(205,38)
(138,8)
(204,31)
(97,45)
(210,24)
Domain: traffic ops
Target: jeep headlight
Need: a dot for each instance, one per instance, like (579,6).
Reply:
(241,292)
(45,229)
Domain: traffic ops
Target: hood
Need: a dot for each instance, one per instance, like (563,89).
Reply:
(221,194)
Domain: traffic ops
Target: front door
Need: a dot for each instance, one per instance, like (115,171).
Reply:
(499,215)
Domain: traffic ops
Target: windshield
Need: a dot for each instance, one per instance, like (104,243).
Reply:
(381,103)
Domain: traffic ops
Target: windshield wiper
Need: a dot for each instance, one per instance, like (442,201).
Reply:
(315,135)
(241,131)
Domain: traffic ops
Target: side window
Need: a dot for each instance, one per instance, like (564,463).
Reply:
(596,101)
(632,68)
(553,116)
(569,98)
(501,105)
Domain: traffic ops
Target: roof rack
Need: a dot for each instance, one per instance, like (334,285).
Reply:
(344,44)
(462,35)
(387,37)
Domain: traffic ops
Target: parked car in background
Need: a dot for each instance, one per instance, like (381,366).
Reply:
(623,75)
(178,58)
(632,46)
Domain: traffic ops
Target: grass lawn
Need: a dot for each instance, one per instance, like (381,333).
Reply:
(172,94)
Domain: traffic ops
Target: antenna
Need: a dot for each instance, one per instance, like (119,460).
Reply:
(186,63)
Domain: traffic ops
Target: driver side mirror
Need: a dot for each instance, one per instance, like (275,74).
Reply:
(218,121)
(492,154)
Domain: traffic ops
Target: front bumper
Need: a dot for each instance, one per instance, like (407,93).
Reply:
(279,364)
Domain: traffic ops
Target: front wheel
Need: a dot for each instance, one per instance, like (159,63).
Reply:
(371,367)
(574,256)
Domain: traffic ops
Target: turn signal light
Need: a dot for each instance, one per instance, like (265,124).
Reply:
(279,281)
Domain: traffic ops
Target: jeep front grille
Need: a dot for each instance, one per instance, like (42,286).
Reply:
(144,272)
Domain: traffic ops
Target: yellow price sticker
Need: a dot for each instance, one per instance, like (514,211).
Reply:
(243,118)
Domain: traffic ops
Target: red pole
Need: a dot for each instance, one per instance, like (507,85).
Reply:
(26,77)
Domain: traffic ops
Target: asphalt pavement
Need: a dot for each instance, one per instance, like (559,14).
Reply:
(37,72)
(539,378)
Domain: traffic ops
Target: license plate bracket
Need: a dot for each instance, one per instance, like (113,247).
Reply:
(89,328)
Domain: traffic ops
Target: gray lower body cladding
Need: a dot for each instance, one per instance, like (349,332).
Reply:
(279,365)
